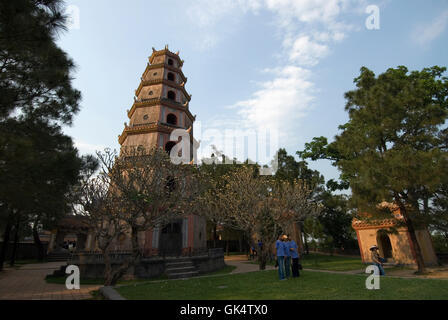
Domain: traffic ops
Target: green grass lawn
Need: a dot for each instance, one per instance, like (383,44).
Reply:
(265,285)
(333,263)
(327,262)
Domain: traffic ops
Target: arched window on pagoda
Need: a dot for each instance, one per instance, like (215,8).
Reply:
(171,95)
(170,62)
(171,119)
(170,76)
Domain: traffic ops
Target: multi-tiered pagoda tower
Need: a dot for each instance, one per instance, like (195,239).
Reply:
(161,105)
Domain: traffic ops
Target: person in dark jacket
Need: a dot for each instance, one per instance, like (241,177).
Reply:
(294,253)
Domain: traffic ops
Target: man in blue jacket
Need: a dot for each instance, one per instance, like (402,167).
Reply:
(280,252)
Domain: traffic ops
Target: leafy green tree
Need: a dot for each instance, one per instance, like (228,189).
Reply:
(290,169)
(39,166)
(394,146)
(335,218)
(37,162)
(439,215)
(35,74)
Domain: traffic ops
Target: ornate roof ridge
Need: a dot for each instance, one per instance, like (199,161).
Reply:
(167,52)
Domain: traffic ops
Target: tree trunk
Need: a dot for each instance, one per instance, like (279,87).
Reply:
(108,275)
(416,245)
(38,243)
(214,236)
(6,236)
(227,247)
(307,250)
(113,276)
(262,258)
(16,242)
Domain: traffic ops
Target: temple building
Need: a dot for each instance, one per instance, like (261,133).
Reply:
(178,249)
(161,104)
(393,240)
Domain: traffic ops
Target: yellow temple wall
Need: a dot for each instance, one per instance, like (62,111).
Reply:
(402,253)
(157,90)
(154,74)
(153,113)
(146,140)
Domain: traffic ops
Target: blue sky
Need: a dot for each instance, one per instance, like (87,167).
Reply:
(280,64)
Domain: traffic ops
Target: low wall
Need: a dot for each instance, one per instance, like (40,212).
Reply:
(212,262)
(91,264)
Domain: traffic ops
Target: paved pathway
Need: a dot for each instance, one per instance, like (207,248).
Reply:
(28,283)
(243,265)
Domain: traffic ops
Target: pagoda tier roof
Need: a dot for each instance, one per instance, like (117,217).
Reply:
(147,128)
(167,52)
(165,82)
(161,101)
(166,66)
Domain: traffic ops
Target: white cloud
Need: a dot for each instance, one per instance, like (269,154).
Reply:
(87,148)
(424,34)
(280,101)
(307,52)
(307,28)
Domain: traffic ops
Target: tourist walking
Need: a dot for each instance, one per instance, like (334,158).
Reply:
(377,260)
(287,256)
(293,249)
(280,252)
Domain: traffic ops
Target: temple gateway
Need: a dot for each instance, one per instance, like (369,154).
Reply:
(393,239)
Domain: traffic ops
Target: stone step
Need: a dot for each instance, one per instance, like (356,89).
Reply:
(183,275)
(179,269)
(58,257)
(178,264)
(177,260)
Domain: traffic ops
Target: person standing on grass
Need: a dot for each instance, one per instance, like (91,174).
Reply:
(377,260)
(293,250)
(280,252)
(287,256)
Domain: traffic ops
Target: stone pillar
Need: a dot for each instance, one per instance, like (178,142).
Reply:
(89,242)
(52,241)
(298,237)
(185,233)
(59,240)
(81,241)
(155,238)
(191,232)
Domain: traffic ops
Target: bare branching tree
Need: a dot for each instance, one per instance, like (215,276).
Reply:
(257,205)
(135,191)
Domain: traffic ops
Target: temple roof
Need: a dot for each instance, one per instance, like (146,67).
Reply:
(167,52)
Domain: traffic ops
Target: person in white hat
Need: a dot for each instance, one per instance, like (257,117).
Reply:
(376,259)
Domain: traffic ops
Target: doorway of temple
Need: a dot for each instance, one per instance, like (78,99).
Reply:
(384,244)
(170,243)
